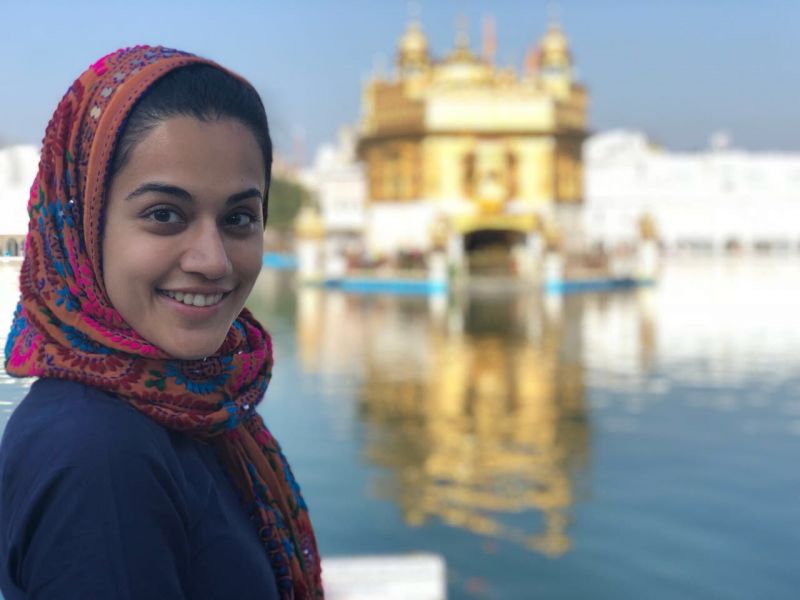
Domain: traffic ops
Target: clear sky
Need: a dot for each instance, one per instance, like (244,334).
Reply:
(677,69)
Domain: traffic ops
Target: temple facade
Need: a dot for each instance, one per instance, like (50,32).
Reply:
(461,152)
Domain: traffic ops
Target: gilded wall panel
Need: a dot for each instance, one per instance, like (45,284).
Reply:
(488,113)
(535,169)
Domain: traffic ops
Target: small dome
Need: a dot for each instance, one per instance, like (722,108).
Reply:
(554,39)
(463,70)
(462,52)
(413,42)
(461,66)
(412,51)
(554,46)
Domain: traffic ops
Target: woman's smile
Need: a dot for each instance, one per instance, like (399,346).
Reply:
(196,299)
(193,306)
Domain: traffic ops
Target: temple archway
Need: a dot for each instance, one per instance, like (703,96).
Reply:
(12,247)
(491,251)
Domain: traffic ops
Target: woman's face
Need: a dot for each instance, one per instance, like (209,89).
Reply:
(182,242)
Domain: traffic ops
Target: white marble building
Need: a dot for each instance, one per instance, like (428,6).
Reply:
(340,185)
(714,200)
(18,166)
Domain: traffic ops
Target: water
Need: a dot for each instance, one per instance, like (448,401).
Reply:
(637,445)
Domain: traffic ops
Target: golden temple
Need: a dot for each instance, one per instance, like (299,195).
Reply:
(488,147)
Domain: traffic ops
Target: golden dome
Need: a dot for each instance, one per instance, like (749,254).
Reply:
(461,67)
(554,39)
(413,42)
(461,51)
(412,51)
(554,46)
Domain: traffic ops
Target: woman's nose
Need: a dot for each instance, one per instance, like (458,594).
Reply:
(206,254)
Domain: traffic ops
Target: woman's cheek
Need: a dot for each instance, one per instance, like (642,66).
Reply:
(252,258)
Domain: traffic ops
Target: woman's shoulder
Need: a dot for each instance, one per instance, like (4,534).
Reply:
(66,423)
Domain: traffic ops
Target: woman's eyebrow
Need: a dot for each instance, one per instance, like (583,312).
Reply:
(182,194)
(249,193)
(161,188)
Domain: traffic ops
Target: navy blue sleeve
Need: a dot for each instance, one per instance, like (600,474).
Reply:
(91,511)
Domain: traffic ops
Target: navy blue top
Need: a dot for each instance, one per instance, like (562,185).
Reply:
(99,501)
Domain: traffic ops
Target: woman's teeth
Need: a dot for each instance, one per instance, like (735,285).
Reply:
(194,299)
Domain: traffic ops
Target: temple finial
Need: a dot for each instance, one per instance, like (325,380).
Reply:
(414,10)
(553,14)
(462,31)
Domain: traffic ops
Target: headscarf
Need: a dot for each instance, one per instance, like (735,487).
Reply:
(65,326)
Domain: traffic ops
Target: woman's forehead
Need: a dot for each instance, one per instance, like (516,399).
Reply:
(200,152)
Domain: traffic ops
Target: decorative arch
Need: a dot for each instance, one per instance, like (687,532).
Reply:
(491,251)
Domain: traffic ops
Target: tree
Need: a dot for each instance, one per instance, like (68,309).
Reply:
(286,198)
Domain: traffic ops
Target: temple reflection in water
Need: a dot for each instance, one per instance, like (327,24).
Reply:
(473,405)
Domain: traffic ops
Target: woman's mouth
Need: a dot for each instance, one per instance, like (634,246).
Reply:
(190,299)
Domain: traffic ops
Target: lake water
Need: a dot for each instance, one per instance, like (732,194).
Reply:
(636,445)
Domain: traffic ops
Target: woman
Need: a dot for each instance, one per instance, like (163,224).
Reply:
(137,467)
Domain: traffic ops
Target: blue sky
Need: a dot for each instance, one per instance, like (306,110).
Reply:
(677,69)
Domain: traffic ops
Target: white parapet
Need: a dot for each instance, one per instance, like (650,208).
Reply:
(309,259)
(553,267)
(390,577)
(437,267)
(647,260)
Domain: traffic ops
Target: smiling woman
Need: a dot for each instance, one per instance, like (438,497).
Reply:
(137,466)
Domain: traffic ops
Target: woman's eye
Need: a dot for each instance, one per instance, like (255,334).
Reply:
(164,215)
(239,219)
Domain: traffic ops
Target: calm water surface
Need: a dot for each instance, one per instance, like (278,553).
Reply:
(639,445)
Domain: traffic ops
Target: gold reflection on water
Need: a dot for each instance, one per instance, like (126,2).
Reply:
(474,406)
(647,331)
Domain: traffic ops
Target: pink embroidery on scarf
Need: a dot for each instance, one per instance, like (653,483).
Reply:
(100,67)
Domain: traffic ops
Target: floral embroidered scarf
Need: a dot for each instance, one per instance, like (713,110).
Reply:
(65,327)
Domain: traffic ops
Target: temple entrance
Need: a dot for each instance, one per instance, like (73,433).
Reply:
(489,252)
(12,247)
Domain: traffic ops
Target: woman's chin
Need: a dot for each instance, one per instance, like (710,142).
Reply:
(192,349)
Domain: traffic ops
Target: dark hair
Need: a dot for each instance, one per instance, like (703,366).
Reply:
(200,91)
